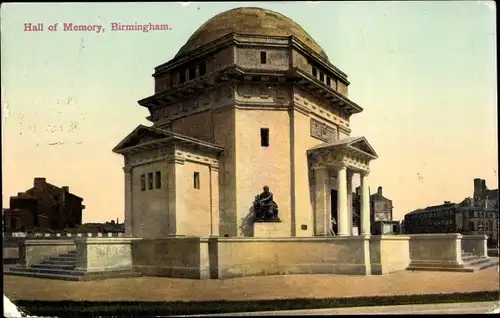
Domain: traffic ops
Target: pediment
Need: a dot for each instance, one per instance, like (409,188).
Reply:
(140,135)
(363,145)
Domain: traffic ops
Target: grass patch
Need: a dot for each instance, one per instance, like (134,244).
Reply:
(143,308)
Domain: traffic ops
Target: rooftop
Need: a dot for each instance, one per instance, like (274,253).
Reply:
(248,21)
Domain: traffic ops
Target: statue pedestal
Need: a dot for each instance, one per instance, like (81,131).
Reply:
(266,229)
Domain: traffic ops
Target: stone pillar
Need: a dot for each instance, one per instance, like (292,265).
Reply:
(128,200)
(176,207)
(349,202)
(214,200)
(322,203)
(365,205)
(342,202)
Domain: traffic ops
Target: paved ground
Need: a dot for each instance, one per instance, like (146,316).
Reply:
(249,288)
(446,309)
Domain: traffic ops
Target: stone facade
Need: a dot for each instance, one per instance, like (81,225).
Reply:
(227,93)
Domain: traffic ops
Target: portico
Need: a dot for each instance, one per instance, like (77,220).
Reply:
(334,164)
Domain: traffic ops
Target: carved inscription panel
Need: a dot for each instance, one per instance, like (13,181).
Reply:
(322,131)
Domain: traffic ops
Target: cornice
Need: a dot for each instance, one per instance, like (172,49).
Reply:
(248,41)
(304,49)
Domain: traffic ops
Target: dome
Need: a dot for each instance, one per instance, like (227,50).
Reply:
(248,21)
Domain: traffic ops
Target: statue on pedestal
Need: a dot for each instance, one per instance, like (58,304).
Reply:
(265,208)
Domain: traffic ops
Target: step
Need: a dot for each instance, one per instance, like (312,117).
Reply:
(77,276)
(48,271)
(469,257)
(53,266)
(66,255)
(66,262)
(43,275)
(62,258)
(476,262)
(491,262)
(439,269)
(124,273)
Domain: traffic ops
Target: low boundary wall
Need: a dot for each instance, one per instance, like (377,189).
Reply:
(475,244)
(389,253)
(220,258)
(35,251)
(436,251)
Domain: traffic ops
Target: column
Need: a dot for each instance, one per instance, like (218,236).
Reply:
(322,202)
(128,200)
(214,200)
(342,201)
(365,205)
(176,207)
(349,201)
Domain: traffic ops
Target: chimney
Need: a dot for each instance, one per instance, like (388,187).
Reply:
(447,202)
(37,182)
(483,185)
(477,187)
(65,189)
(379,191)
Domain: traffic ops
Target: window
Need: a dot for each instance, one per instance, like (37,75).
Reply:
(328,81)
(158,179)
(315,72)
(471,226)
(196,180)
(143,182)
(182,76)
(150,181)
(202,69)
(192,72)
(264,137)
(263,57)
(321,76)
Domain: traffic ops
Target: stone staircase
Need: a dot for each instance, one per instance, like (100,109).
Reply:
(62,267)
(472,263)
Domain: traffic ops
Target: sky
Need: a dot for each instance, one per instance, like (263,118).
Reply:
(424,72)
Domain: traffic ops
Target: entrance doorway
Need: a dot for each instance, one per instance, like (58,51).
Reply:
(333,201)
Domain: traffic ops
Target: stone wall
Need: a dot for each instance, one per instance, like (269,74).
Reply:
(276,59)
(103,254)
(224,120)
(475,244)
(257,166)
(35,251)
(237,257)
(436,250)
(180,257)
(389,253)
(150,207)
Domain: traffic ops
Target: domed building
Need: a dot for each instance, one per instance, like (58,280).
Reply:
(251,100)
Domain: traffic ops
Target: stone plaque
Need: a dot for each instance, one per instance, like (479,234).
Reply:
(322,131)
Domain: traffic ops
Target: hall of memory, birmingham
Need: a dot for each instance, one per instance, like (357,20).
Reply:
(97,28)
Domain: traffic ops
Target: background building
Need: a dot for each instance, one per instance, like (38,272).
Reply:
(45,206)
(381,213)
(476,215)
